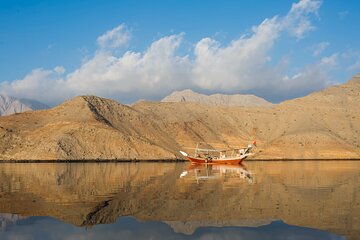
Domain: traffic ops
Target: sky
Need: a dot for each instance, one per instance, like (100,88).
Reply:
(137,49)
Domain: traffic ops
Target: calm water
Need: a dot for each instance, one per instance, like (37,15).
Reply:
(260,200)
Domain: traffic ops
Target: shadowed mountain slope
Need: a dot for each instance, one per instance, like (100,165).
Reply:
(322,125)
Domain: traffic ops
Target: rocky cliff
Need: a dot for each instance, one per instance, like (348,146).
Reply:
(11,105)
(322,125)
(216,99)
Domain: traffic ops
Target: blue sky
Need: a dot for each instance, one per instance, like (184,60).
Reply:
(50,50)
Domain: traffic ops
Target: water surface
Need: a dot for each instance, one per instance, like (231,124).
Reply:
(259,200)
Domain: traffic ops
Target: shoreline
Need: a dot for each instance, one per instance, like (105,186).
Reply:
(166,160)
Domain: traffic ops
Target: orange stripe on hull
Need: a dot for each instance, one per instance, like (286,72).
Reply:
(215,161)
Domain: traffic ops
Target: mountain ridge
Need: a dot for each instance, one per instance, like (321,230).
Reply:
(11,105)
(218,99)
(322,125)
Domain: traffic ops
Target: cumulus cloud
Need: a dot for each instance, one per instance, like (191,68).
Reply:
(131,76)
(243,64)
(312,77)
(119,36)
(40,84)
(330,61)
(240,66)
(298,20)
(59,69)
(133,73)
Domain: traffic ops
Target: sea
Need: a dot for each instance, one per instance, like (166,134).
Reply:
(257,200)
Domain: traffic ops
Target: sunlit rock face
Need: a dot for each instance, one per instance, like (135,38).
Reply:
(323,125)
(321,195)
(217,99)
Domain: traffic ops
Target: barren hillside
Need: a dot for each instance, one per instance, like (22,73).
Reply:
(323,125)
(216,99)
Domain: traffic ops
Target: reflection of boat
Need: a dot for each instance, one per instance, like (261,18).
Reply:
(213,171)
(213,156)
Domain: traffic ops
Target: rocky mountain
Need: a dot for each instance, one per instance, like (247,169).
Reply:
(216,99)
(322,125)
(10,105)
(85,127)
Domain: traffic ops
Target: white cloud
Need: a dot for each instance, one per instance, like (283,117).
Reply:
(312,77)
(147,74)
(298,21)
(319,48)
(330,61)
(241,66)
(59,69)
(119,36)
(40,84)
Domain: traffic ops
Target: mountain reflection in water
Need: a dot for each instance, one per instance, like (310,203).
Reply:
(130,228)
(261,200)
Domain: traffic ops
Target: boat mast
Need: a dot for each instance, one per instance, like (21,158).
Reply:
(196,149)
